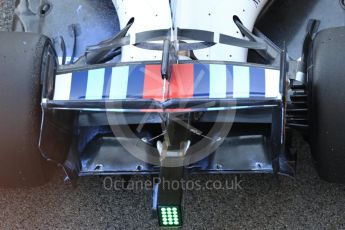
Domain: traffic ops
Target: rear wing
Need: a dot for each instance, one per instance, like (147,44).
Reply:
(139,87)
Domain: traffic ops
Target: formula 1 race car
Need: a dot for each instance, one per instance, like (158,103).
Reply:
(164,88)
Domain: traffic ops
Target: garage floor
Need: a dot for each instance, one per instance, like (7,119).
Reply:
(305,202)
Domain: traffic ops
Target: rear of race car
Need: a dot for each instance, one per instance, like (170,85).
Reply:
(182,100)
(170,93)
(206,117)
(202,102)
(179,99)
(202,112)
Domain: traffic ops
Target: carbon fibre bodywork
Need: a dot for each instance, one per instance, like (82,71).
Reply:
(256,142)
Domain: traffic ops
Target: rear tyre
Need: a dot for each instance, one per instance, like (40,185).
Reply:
(21,163)
(327,81)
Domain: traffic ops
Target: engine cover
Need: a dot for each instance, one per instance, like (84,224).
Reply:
(216,16)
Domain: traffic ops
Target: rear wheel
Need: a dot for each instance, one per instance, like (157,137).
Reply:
(327,81)
(21,54)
